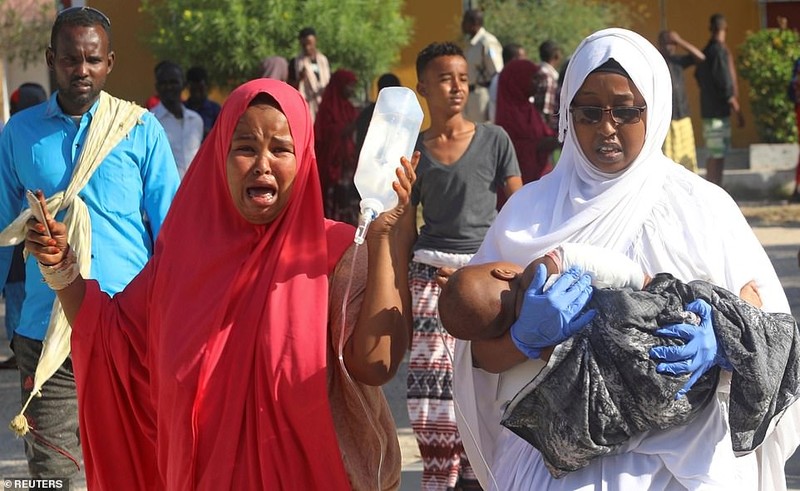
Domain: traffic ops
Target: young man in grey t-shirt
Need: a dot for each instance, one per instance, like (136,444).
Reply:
(461,168)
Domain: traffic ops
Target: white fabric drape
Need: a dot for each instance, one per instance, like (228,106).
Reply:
(667,220)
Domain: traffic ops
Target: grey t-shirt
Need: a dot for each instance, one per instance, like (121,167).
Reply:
(459,200)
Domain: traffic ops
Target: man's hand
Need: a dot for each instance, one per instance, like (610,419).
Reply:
(442,275)
(47,250)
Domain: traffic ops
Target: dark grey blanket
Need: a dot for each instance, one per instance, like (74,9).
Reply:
(600,387)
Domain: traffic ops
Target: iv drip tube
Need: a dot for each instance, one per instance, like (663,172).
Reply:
(340,353)
(370,209)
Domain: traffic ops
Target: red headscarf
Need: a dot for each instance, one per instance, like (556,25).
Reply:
(336,115)
(519,117)
(234,330)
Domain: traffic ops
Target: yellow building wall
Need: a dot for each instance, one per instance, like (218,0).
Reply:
(690,19)
(132,78)
(434,21)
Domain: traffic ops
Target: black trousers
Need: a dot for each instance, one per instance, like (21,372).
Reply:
(52,446)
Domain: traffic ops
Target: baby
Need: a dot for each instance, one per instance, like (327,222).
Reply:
(482,301)
(600,387)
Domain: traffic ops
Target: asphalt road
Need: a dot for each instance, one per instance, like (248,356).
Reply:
(781,243)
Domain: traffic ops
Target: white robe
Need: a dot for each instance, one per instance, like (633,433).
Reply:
(666,219)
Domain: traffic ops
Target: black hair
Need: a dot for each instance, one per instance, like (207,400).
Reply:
(265,98)
(83,17)
(473,16)
(197,74)
(510,51)
(167,65)
(716,22)
(612,66)
(433,51)
(548,50)
(28,94)
(388,80)
(307,31)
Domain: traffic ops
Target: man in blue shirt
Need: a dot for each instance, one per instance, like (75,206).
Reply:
(43,148)
(198,101)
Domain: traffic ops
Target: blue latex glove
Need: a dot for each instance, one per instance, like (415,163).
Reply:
(698,354)
(548,318)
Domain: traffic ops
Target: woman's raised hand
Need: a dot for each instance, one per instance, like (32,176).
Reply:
(406,176)
(47,250)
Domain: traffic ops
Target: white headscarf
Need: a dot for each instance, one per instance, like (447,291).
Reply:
(577,202)
(664,217)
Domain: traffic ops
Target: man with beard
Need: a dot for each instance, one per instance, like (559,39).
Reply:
(105,164)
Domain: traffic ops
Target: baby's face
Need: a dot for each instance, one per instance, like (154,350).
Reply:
(509,283)
(483,301)
(503,293)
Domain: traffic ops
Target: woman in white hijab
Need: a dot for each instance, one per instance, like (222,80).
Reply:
(618,190)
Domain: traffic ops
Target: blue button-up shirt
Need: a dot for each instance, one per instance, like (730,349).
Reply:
(39,149)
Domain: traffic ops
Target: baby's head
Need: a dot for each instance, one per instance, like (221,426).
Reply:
(481,301)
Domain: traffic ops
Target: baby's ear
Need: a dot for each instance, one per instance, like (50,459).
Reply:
(504,274)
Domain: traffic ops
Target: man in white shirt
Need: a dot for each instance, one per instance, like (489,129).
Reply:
(484,60)
(309,71)
(183,126)
(547,85)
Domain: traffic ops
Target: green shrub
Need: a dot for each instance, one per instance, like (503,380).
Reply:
(766,59)
(230,38)
(567,22)
(25,30)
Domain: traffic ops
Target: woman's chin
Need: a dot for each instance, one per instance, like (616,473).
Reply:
(610,163)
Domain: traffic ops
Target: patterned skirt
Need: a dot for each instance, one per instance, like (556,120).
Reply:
(430,390)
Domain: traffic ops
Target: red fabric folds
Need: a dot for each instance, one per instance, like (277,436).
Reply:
(209,370)
(520,118)
(334,128)
(797,169)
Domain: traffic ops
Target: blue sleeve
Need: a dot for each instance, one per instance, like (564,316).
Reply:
(11,192)
(159,175)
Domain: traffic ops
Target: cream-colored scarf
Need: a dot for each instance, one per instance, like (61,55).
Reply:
(310,86)
(112,121)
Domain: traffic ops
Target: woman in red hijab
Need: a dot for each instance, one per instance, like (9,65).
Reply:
(218,367)
(334,130)
(523,123)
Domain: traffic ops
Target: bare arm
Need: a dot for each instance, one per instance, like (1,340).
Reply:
(513,184)
(381,335)
(690,48)
(500,354)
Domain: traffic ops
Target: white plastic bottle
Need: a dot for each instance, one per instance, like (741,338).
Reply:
(392,133)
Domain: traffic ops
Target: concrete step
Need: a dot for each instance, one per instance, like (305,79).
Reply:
(737,158)
(761,171)
(745,184)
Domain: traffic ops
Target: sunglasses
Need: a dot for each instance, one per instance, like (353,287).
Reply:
(96,13)
(620,114)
